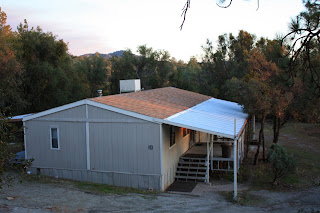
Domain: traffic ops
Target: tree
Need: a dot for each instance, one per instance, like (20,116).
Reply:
(153,67)
(5,153)
(95,73)
(192,75)
(10,71)
(47,69)
(215,70)
(305,36)
(176,77)
(122,68)
(266,95)
(281,162)
(280,95)
(303,73)
(228,60)
(253,95)
(8,134)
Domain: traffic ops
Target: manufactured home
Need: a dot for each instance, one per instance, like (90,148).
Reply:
(143,139)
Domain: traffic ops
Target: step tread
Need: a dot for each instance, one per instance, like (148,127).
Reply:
(188,172)
(190,177)
(188,167)
(196,163)
(188,158)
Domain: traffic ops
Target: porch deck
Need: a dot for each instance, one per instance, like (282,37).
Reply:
(217,162)
(200,149)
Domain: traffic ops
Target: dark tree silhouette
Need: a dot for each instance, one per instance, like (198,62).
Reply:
(305,36)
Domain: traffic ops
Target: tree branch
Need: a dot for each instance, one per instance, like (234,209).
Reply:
(187,6)
(225,6)
(184,12)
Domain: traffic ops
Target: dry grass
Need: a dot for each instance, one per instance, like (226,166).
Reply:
(302,140)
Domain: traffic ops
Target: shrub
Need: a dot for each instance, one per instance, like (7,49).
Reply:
(281,162)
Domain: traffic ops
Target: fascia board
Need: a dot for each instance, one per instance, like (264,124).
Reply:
(54,110)
(198,129)
(96,104)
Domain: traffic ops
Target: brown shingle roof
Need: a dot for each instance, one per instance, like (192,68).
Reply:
(159,103)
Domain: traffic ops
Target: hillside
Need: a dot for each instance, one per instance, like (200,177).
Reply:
(118,53)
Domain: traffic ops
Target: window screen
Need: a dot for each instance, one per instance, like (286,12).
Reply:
(54,138)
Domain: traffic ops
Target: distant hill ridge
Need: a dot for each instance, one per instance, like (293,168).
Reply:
(118,53)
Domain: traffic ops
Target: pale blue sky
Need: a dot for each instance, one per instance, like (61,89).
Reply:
(105,26)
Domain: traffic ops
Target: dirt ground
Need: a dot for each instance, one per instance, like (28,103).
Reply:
(65,196)
(39,197)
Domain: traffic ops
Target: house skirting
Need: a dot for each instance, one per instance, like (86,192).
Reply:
(141,181)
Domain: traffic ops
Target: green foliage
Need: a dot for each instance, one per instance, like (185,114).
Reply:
(94,73)
(11,101)
(153,67)
(47,69)
(303,44)
(8,136)
(281,162)
(122,68)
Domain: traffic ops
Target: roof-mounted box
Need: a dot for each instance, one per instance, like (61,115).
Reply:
(131,85)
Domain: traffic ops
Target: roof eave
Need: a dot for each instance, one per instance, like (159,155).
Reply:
(124,112)
(92,103)
(54,110)
(198,129)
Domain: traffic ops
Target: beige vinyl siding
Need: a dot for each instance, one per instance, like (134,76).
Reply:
(170,155)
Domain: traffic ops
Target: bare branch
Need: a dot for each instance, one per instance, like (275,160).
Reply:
(187,6)
(225,6)
(184,12)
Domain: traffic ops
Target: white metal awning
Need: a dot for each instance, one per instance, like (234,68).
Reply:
(213,115)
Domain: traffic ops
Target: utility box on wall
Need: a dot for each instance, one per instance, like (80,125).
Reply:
(131,85)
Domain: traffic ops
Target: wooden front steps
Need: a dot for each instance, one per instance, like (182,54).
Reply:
(192,169)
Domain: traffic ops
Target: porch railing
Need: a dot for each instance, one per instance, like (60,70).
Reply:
(221,164)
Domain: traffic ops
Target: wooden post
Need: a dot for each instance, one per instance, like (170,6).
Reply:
(235,170)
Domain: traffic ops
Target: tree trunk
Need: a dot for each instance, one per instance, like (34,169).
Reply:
(248,137)
(274,126)
(276,129)
(263,155)
(261,138)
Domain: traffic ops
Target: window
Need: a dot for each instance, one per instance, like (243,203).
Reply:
(54,138)
(172,136)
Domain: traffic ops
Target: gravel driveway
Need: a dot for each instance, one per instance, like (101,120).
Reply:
(52,197)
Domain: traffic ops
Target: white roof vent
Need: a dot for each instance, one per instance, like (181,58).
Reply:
(132,85)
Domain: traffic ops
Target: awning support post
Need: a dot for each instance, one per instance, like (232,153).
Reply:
(208,154)
(235,170)
(211,152)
